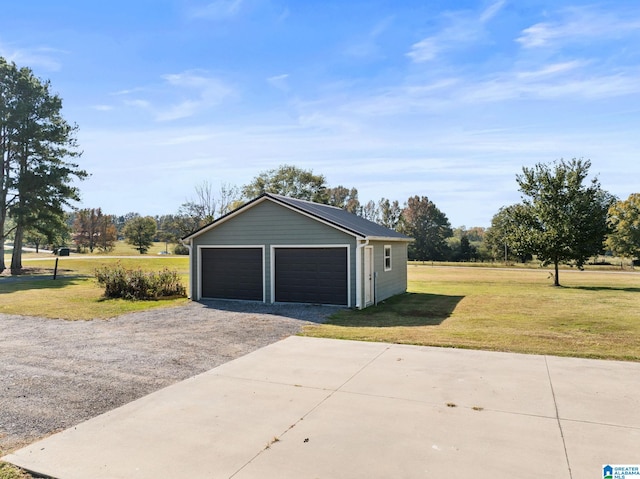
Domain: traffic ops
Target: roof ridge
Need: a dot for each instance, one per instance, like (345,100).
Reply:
(306,201)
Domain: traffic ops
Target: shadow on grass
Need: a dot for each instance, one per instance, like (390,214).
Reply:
(409,309)
(13,284)
(605,288)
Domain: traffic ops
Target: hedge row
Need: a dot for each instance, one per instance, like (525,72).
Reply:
(120,282)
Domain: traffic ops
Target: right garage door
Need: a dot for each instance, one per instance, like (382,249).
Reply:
(311,275)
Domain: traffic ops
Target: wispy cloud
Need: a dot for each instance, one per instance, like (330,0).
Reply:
(127,91)
(144,104)
(460,28)
(551,69)
(579,24)
(424,50)
(38,57)
(203,92)
(367,45)
(180,95)
(102,107)
(279,81)
(218,10)
(492,10)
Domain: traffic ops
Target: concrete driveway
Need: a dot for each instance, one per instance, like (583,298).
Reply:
(319,408)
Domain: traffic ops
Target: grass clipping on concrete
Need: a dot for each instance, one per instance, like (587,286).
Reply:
(593,315)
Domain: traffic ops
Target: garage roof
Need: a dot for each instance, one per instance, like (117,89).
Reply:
(332,215)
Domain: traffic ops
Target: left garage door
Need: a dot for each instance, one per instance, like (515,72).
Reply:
(232,273)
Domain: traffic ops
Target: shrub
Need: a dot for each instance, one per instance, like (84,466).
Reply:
(125,283)
(181,249)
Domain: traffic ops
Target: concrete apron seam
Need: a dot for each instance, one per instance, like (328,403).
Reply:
(597,423)
(331,393)
(555,405)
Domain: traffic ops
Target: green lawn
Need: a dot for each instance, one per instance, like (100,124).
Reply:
(595,315)
(75,293)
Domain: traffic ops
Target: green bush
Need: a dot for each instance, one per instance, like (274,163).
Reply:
(125,283)
(181,249)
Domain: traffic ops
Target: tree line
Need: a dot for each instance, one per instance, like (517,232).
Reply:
(564,218)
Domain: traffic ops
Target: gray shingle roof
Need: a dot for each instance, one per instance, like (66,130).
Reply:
(340,218)
(337,217)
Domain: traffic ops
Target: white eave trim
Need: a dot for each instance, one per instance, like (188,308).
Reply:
(388,238)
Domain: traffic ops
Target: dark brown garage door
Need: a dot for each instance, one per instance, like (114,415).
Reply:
(232,273)
(311,275)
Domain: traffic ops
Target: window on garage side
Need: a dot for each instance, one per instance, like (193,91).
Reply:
(387,257)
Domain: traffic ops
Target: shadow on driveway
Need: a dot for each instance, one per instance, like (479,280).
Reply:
(315,313)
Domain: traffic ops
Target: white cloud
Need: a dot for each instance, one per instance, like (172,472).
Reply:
(190,92)
(579,24)
(492,10)
(367,45)
(461,28)
(279,81)
(204,92)
(34,58)
(424,50)
(513,86)
(218,10)
(209,89)
(552,69)
(102,107)
(138,103)
(127,91)
(187,138)
(184,109)
(326,122)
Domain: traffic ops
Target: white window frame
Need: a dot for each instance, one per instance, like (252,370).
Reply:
(384,257)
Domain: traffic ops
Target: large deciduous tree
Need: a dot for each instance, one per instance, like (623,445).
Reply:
(563,216)
(624,220)
(389,213)
(93,229)
(206,206)
(369,211)
(344,198)
(508,237)
(140,232)
(36,146)
(288,180)
(428,226)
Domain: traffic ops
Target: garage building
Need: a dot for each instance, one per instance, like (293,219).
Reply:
(277,249)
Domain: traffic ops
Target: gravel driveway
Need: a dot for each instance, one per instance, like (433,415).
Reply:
(55,373)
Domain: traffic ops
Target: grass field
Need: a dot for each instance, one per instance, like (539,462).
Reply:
(594,315)
(122,248)
(75,293)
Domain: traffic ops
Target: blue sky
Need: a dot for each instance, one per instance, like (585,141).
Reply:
(396,98)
